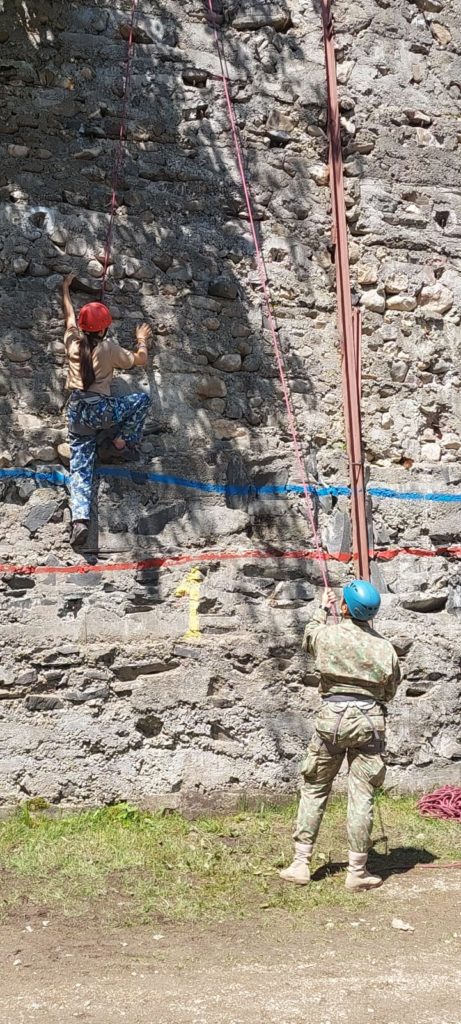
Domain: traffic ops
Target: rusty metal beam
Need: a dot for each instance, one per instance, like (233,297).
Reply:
(349,322)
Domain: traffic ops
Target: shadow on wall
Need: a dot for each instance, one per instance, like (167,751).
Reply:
(182,254)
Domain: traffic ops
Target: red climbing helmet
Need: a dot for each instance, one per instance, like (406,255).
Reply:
(94,317)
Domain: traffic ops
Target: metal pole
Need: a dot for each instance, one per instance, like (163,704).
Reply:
(348,325)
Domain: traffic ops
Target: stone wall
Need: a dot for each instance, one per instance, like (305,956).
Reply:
(103,696)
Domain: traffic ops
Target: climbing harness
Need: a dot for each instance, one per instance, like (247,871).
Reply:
(267,299)
(83,402)
(120,152)
(75,409)
(364,706)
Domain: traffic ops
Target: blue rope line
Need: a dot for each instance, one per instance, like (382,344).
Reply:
(60,479)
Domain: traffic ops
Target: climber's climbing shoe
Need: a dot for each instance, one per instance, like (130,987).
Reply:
(79,533)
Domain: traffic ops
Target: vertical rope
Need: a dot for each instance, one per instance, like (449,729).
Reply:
(120,152)
(268,300)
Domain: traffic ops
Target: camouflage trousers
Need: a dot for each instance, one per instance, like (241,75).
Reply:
(343,730)
(86,417)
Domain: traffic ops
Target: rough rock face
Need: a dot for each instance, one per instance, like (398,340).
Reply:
(103,694)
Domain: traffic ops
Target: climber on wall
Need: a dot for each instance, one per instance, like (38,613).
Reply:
(359,672)
(92,359)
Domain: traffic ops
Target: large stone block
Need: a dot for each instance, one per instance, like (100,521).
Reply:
(154,522)
(255,17)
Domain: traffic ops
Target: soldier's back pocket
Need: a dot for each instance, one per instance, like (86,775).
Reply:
(320,763)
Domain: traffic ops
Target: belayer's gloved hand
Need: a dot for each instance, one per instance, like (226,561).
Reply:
(328,599)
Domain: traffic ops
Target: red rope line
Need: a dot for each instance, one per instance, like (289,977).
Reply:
(159,562)
(267,298)
(120,153)
(170,561)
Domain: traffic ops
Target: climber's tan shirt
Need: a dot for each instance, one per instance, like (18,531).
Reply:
(107,356)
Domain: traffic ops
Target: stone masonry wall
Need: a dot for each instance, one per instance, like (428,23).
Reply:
(102,694)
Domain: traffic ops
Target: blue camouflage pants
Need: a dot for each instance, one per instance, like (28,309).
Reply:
(86,416)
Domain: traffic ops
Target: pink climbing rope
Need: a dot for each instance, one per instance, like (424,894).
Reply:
(120,154)
(444,803)
(267,298)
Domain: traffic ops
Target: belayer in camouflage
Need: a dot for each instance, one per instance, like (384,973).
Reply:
(359,673)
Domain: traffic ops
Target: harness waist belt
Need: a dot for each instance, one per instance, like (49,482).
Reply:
(363,704)
(350,698)
(85,396)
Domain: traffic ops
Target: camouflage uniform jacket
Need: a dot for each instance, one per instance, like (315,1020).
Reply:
(352,658)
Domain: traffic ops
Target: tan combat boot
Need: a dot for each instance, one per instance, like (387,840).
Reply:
(298,872)
(357,878)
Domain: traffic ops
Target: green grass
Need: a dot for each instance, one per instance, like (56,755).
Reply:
(136,866)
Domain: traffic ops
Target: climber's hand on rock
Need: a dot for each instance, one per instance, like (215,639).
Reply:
(144,335)
(143,339)
(68,280)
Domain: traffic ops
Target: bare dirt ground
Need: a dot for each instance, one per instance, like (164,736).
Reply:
(337,967)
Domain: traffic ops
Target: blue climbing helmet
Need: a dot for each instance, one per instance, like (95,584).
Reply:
(362,600)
